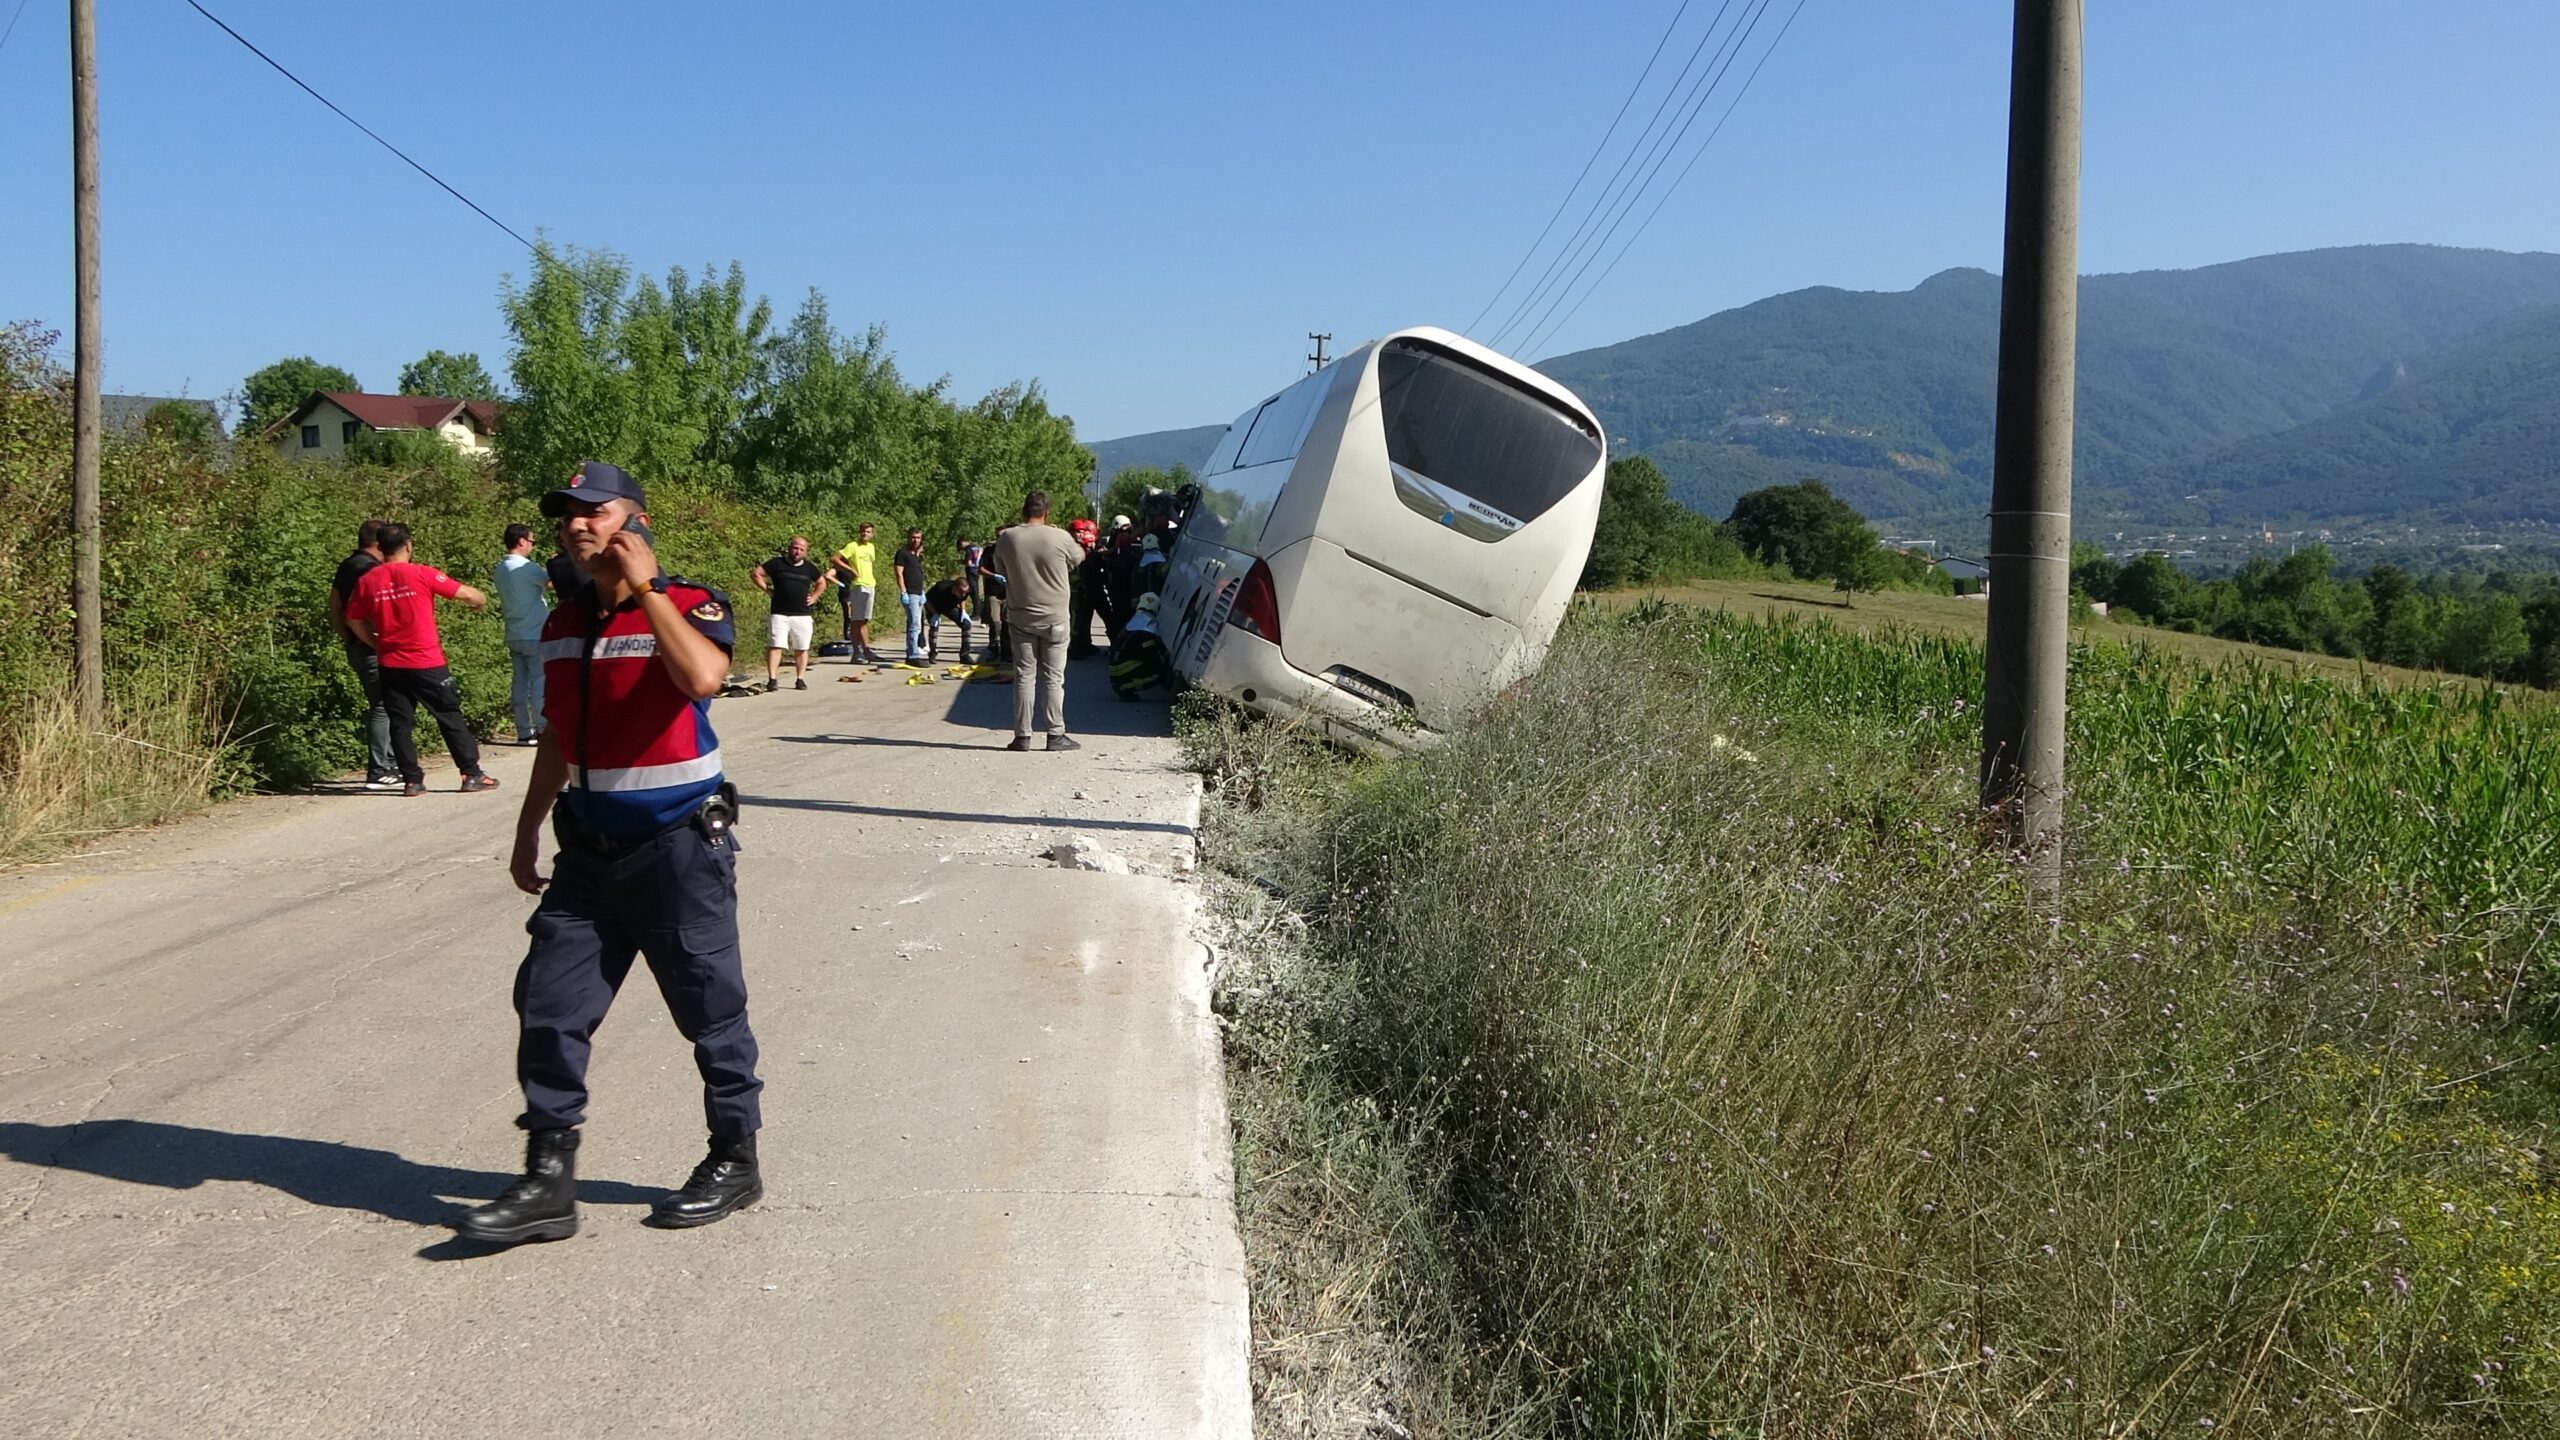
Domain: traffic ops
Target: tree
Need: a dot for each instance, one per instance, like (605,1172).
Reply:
(2386,586)
(2410,633)
(1127,492)
(2153,587)
(271,394)
(1646,537)
(571,400)
(2484,635)
(838,428)
(656,379)
(1804,527)
(2093,571)
(688,381)
(186,426)
(455,377)
(1863,571)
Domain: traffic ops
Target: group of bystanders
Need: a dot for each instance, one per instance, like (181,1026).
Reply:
(612,685)
(383,603)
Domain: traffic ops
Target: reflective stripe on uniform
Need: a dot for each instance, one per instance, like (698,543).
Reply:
(649,777)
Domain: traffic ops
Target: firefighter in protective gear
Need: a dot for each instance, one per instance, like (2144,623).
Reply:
(1139,660)
(1151,566)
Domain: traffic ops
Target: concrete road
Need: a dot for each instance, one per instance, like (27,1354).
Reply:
(250,1065)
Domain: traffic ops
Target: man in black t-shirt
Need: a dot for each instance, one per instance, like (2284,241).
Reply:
(795,583)
(911,588)
(381,770)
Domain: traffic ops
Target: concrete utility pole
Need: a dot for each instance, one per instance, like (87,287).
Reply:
(1315,361)
(2028,646)
(88,660)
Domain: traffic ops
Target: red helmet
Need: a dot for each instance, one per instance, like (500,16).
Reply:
(1085,531)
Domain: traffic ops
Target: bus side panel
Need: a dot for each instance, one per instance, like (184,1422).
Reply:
(1193,605)
(1295,518)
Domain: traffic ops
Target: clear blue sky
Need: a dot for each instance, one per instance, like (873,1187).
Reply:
(1147,205)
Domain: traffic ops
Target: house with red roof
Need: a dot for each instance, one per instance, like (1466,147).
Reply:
(322,427)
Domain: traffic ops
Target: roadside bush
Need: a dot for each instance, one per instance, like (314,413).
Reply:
(1751,1099)
(216,576)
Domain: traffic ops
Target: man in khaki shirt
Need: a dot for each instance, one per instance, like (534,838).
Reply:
(1038,561)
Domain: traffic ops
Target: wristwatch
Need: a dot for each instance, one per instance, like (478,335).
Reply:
(658,583)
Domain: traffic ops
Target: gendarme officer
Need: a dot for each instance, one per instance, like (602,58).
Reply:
(647,863)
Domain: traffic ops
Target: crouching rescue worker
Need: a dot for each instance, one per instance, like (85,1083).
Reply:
(1138,658)
(647,862)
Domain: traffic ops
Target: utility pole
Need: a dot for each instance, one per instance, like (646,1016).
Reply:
(1315,361)
(89,656)
(2028,645)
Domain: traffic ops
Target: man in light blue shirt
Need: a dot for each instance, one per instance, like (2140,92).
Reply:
(520,583)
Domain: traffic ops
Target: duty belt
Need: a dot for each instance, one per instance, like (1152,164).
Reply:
(715,819)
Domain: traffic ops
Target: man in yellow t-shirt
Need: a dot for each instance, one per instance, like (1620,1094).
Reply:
(856,566)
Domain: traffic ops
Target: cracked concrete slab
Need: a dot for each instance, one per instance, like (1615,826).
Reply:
(250,1064)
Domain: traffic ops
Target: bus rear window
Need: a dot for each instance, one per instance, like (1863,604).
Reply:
(1471,450)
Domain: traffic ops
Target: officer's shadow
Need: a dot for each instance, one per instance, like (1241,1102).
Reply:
(317,1172)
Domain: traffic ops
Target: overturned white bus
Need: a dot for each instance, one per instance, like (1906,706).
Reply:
(1383,546)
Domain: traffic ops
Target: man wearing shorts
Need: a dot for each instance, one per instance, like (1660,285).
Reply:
(795,585)
(857,569)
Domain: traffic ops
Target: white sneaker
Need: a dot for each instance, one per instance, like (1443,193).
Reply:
(383,782)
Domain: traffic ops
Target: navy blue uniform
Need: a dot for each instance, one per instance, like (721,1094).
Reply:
(643,870)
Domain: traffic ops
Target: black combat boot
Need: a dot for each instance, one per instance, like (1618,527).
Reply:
(726,1180)
(542,1205)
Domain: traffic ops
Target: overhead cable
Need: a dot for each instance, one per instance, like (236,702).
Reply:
(1671,99)
(1576,262)
(360,125)
(1596,152)
(1549,332)
(1656,161)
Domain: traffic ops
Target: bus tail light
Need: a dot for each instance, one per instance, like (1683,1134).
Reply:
(1257,606)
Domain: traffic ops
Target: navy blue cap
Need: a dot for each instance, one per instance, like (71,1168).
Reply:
(595,483)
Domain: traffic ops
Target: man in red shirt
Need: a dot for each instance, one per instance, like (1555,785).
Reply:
(393,610)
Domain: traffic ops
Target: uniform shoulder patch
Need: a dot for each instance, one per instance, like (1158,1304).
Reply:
(700,602)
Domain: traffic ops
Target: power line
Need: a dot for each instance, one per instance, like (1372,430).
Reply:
(1655,157)
(360,125)
(1549,332)
(13,24)
(1576,186)
(1672,103)
(1601,198)
(1650,163)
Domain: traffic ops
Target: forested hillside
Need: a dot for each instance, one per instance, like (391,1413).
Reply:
(1888,397)
(2468,437)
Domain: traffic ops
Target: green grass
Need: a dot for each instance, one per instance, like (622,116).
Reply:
(1695,1070)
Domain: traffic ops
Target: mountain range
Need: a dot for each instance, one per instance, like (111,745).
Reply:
(2373,383)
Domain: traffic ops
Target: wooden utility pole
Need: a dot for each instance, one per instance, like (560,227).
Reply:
(2028,646)
(1315,361)
(88,659)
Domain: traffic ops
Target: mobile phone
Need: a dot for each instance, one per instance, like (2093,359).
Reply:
(640,527)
